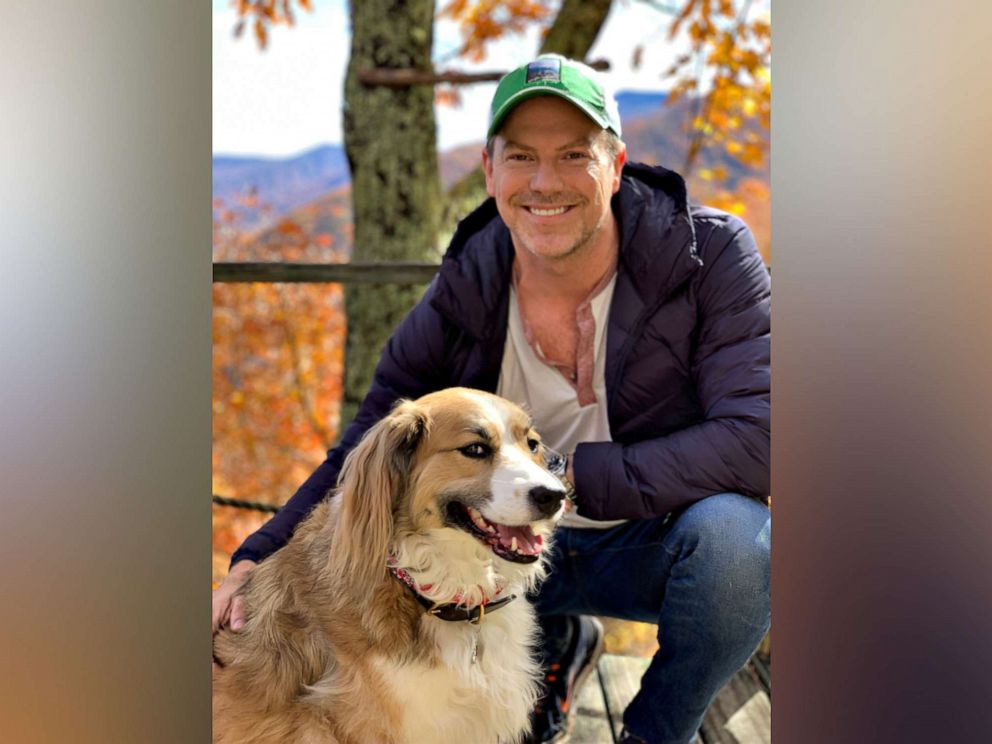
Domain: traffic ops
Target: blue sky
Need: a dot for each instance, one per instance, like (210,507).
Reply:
(288,98)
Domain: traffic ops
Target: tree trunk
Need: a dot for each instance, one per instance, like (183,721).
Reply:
(576,27)
(389,137)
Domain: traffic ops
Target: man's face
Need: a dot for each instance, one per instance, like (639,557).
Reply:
(552,177)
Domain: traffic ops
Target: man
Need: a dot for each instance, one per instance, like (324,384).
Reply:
(635,329)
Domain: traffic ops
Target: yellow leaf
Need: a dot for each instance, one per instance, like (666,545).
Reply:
(260,34)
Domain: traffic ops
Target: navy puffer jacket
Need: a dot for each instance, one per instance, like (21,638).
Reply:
(687,359)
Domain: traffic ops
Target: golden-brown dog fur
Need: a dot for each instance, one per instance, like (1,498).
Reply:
(337,651)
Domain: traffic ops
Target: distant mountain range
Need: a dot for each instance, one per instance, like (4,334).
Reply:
(313,187)
(290,182)
(282,183)
(634,105)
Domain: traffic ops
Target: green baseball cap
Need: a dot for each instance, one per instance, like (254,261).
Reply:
(554,75)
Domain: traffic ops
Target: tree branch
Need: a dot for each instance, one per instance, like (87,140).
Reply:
(404,78)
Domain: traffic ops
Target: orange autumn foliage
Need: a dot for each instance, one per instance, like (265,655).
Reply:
(483,21)
(263,13)
(278,357)
(735,112)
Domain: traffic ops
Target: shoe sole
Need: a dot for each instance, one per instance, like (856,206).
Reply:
(592,664)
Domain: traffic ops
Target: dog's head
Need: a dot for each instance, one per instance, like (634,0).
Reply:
(458,477)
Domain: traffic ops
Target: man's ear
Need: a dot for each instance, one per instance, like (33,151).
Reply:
(487,167)
(618,163)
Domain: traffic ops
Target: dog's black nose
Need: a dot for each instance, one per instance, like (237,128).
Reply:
(546,500)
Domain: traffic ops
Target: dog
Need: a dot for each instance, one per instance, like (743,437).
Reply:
(397,612)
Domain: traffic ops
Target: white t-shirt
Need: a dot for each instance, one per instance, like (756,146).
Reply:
(545,393)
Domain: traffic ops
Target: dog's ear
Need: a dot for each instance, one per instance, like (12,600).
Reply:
(372,480)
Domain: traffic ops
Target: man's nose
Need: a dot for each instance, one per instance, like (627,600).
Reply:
(547,500)
(546,177)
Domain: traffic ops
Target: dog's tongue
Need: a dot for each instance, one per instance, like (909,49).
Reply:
(527,542)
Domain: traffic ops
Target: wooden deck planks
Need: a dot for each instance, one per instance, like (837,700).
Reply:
(740,714)
(592,721)
(621,679)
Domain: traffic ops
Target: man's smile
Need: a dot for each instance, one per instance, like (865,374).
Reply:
(547,211)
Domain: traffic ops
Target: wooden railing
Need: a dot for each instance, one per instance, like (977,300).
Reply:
(386,272)
(395,272)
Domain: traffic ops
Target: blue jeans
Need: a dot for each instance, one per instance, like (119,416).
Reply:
(703,575)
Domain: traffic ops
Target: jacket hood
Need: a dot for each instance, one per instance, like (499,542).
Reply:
(657,249)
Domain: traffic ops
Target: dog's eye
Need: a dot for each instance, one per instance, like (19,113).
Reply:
(476,450)
(533,444)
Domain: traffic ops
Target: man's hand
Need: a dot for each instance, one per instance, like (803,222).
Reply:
(228,609)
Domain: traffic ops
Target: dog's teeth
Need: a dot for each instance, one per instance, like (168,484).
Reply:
(513,544)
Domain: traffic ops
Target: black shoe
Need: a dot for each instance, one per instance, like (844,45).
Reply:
(628,738)
(551,719)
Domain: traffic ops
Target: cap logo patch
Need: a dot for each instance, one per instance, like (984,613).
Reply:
(544,71)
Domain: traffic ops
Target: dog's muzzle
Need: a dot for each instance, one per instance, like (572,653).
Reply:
(546,500)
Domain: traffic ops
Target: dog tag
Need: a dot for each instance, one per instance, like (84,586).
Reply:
(477,647)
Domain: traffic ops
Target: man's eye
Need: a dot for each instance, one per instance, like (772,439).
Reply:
(533,444)
(476,451)
(575,156)
(518,157)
